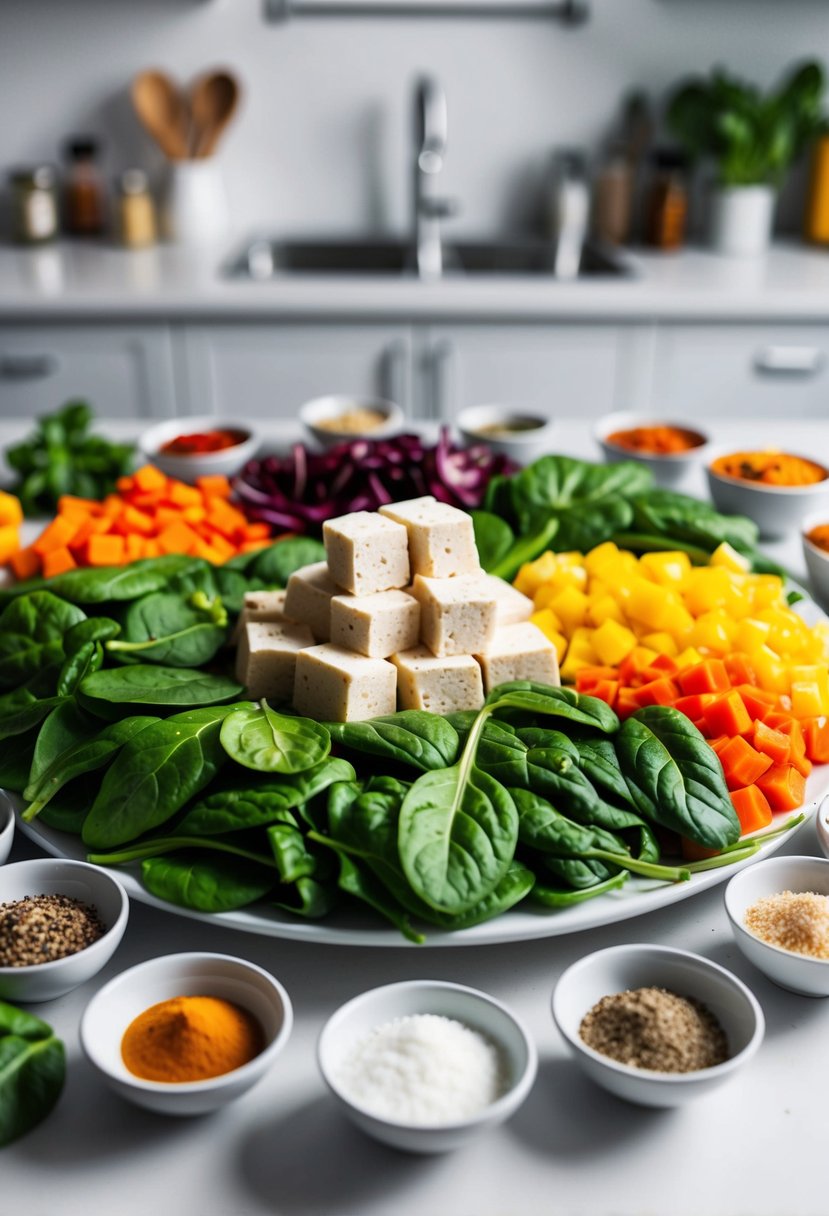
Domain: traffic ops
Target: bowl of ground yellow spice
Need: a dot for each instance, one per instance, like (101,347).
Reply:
(656,1025)
(186,1033)
(779,912)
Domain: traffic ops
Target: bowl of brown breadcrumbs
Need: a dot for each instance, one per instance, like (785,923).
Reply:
(60,923)
(779,913)
(656,1025)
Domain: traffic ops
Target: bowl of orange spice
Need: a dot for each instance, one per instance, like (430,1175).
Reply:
(814,534)
(186,1033)
(669,449)
(776,489)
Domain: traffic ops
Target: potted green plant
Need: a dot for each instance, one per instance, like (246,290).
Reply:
(753,138)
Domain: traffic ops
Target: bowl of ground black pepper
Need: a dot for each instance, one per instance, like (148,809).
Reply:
(780,919)
(656,1025)
(60,923)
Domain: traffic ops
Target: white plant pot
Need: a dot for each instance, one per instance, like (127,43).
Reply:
(194,208)
(741,219)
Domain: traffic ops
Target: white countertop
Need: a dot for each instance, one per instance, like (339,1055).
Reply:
(756,1147)
(93,281)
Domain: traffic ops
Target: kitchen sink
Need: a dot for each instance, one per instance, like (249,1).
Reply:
(265,259)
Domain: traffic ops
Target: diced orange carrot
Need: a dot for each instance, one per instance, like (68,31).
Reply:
(214,486)
(784,787)
(177,538)
(253,546)
(225,518)
(124,485)
(25,563)
(148,478)
(151,547)
(739,669)
(718,743)
(816,736)
(77,508)
(626,702)
(752,807)
(133,547)
(112,506)
(56,535)
(589,677)
(258,531)
(757,701)
(105,550)
(741,764)
(772,743)
(203,549)
(694,706)
(194,515)
(727,715)
(146,500)
(133,520)
(797,755)
(656,692)
(221,545)
(56,561)
(182,495)
(708,676)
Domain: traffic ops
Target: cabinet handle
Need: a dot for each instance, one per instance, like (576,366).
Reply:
(393,374)
(789,361)
(441,405)
(28,367)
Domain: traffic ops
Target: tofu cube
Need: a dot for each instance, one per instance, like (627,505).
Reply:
(519,652)
(375,625)
(511,606)
(266,657)
(441,538)
(259,606)
(457,615)
(337,685)
(366,552)
(308,598)
(442,686)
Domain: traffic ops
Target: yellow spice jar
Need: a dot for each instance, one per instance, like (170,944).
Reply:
(816,224)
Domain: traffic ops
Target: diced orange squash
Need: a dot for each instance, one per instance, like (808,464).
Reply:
(727,715)
(194,515)
(772,743)
(55,535)
(257,532)
(225,518)
(77,508)
(133,520)
(739,669)
(588,677)
(708,676)
(718,743)
(133,546)
(758,702)
(112,506)
(125,485)
(752,807)
(797,755)
(182,495)
(105,550)
(695,705)
(816,737)
(253,546)
(25,563)
(784,787)
(656,692)
(626,702)
(177,538)
(149,479)
(741,764)
(56,561)
(214,486)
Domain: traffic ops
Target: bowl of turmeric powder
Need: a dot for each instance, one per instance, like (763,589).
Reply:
(671,450)
(776,489)
(185,1034)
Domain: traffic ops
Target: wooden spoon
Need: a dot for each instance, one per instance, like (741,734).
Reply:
(213,101)
(163,111)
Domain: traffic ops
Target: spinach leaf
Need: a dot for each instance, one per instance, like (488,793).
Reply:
(62,755)
(577,873)
(543,737)
(598,761)
(677,516)
(16,760)
(21,710)
(277,563)
(100,584)
(93,629)
(82,663)
(554,702)
(32,1071)
(527,549)
(241,807)
(260,738)
(169,628)
(415,737)
(154,775)
(514,886)
(32,630)
(588,500)
(457,833)
(554,897)
(494,538)
(675,778)
(356,882)
(104,692)
(217,582)
(314,899)
(291,854)
(204,883)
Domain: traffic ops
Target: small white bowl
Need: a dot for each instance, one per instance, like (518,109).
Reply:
(358,1017)
(225,463)
(333,407)
(89,884)
(822,826)
(6,828)
(796,972)
(620,968)
(669,469)
(817,559)
(119,1002)
(533,438)
(777,510)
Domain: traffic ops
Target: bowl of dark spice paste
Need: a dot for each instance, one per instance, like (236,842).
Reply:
(60,923)
(656,1025)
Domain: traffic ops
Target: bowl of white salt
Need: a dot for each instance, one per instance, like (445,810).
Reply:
(425,1065)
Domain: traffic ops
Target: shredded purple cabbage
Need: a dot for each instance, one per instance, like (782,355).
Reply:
(300,491)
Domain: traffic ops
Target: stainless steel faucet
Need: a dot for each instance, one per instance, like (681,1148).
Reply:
(431,126)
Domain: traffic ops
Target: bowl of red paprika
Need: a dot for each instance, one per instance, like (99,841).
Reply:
(201,446)
(669,449)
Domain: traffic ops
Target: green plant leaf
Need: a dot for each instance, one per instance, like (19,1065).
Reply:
(32,1071)
(177,630)
(413,737)
(106,692)
(32,630)
(206,884)
(275,565)
(261,739)
(494,538)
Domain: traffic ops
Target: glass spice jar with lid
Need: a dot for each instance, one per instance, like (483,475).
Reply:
(34,205)
(136,210)
(84,191)
(666,210)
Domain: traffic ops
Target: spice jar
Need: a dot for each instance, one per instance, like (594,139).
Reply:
(85,204)
(666,210)
(34,205)
(136,210)
(613,200)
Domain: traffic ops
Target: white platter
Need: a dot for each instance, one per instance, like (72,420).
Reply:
(637,897)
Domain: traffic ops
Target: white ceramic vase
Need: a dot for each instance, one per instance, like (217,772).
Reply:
(741,219)
(194,208)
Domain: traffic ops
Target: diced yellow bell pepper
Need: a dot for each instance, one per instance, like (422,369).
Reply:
(581,646)
(751,634)
(714,631)
(602,557)
(768,591)
(688,658)
(772,673)
(652,604)
(612,642)
(604,608)
(570,606)
(533,574)
(668,568)
(806,699)
(726,556)
(664,643)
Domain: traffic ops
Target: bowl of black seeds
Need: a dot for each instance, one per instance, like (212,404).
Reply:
(656,1025)
(60,923)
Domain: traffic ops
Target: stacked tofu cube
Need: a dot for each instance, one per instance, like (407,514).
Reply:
(399,615)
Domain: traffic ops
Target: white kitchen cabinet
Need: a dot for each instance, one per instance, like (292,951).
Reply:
(268,370)
(123,371)
(751,370)
(556,369)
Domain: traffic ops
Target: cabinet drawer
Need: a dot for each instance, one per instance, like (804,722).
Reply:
(735,370)
(123,372)
(268,371)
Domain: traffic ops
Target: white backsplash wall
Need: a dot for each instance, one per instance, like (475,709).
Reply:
(322,142)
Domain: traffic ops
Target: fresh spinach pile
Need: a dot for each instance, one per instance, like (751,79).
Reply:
(565,504)
(32,1071)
